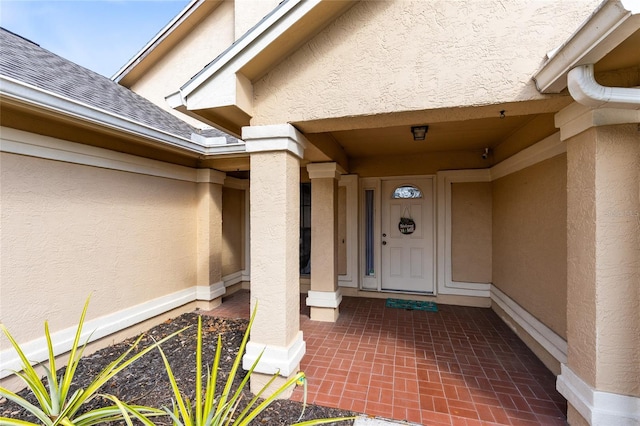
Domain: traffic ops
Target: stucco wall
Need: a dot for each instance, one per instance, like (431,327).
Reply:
(233,230)
(389,56)
(471,232)
(530,240)
(604,258)
(69,231)
(202,44)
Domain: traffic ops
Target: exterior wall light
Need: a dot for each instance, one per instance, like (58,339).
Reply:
(419,132)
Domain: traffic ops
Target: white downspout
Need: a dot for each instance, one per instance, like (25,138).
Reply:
(586,91)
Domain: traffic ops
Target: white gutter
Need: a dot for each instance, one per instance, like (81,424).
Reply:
(586,91)
(14,89)
(612,23)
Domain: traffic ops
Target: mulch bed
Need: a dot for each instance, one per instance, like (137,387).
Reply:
(145,382)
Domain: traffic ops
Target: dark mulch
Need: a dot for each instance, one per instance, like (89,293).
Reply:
(145,382)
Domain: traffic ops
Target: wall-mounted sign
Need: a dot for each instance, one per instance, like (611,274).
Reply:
(406,225)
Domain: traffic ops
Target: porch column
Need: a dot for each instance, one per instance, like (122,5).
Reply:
(602,375)
(324,297)
(275,274)
(210,287)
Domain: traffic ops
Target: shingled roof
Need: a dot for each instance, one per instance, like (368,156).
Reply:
(27,62)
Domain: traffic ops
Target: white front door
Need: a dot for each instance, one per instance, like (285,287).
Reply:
(408,235)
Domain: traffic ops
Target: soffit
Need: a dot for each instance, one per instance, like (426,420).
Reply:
(625,55)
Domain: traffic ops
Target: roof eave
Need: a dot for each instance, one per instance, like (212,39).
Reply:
(163,36)
(605,29)
(38,98)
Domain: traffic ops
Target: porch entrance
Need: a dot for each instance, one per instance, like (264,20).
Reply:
(407,229)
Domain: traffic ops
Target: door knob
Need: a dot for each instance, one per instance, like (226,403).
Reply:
(384,243)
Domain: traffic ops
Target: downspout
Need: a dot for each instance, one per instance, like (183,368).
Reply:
(586,91)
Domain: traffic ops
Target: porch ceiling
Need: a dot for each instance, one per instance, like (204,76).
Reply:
(468,135)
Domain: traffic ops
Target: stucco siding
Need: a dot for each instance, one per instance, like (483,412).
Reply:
(530,240)
(390,56)
(70,231)
(199,47)
(471,232)
(233,230)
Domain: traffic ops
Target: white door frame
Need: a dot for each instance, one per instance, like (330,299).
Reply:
(373,282)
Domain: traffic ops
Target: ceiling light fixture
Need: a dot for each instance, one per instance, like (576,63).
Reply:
(419,132)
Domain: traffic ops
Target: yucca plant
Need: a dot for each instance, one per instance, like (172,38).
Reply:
(210,410)
(55,403)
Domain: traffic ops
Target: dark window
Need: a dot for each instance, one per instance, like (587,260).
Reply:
(305,228)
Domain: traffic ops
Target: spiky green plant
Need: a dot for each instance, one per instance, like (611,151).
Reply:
(55,403)
(211,411)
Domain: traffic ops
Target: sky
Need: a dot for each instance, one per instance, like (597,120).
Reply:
(101,35)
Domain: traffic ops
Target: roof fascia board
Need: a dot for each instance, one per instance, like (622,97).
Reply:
(251,43)
(31,95)
(162,35)
(605,29)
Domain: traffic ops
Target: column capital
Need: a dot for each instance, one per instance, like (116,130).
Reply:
(277,137)
(210,176)
(324,170)
(576,118)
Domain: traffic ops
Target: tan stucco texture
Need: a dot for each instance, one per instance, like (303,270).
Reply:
(384,57)
(604,258)
(70,231)
(530,240)
(233,230)
(471,232)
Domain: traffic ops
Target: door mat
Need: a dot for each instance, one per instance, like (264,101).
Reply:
(412,305)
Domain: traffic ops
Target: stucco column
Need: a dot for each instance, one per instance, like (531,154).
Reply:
(324,297)
(210,287)
(275,231)
(601,379)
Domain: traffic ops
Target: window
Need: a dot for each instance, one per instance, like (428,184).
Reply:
(305,228)
(407,191)
(369,227)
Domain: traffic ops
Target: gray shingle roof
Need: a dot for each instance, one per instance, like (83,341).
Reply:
(29,63)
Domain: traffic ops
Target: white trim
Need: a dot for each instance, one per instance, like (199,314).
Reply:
(210,292)
(597,407)
(547,148)
(34,145)
(276,137)
(576,118)
(370,282)
(232,279)
(611,24)
(275,359)
(547,338)
(350,182)
(165,32)
(19,91)
(324,299)
(445,284)
(36,350)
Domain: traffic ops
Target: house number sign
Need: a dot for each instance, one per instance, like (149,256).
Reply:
(406,226)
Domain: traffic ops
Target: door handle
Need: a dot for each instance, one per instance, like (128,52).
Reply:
(384,243)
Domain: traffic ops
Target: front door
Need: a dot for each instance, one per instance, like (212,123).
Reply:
(408,235)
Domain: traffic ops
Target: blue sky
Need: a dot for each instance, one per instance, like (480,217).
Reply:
(101,35)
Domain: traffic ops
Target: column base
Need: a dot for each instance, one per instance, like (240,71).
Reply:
(324,305)
(597,407)
(259,380)
(324,314)
(284,360)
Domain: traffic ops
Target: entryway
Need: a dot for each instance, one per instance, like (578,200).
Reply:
(408,229)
